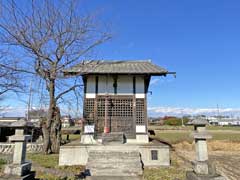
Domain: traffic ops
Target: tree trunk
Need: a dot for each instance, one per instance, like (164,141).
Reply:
(52,130)
(56,132)
(46,139)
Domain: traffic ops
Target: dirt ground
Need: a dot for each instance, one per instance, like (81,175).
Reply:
(226,158)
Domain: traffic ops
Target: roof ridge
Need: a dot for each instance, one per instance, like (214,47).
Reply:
(124,60)
(119,67)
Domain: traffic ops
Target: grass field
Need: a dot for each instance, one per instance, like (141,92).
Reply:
(72,137)
(47,161)
(174,137)
(166,127)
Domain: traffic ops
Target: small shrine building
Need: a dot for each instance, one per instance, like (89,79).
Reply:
(115,98)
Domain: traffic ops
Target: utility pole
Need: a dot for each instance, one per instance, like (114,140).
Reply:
(29,100)
(182,118)
(218,113)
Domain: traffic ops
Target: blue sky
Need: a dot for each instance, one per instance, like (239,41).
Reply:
(200,40)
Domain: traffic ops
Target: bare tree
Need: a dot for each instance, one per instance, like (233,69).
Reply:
(50,36)
(9,79)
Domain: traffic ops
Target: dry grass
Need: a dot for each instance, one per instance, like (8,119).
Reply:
(177,136)
(223,146)
(214,145)
(177,170)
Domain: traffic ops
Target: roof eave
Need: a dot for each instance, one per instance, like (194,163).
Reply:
(104,73)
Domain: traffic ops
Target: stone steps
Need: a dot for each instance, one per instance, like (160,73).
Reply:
(113,137)
(114,163)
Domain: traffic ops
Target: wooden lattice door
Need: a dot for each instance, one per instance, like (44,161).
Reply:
(120,115)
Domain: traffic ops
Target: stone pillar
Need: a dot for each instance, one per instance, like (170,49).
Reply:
(202,168)
(201,150)
(20,167)
(19,154)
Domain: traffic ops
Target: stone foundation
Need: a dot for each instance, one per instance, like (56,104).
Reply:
(29,176)
(114,163)
(140,139)
(18,169)
(77,154)
(190,175)
(87,139)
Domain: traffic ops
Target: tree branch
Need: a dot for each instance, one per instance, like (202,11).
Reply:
(67,91)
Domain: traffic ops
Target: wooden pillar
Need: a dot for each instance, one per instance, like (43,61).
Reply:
(146,85)
(84,78)
(134,105)
(106,124)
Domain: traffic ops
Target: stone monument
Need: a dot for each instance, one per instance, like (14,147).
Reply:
(20,169)
(202,168)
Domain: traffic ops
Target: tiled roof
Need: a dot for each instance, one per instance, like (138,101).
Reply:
(117,67)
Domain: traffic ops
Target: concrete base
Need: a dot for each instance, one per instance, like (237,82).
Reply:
(113,138)
(190,175)
(140,139)
(88,139)
(201,168)
(18,169)
(30,176)
(114,163)
(77,154)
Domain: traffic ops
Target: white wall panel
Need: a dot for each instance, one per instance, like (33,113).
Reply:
(140,129)
(91,84)
(90,95)
(105,85)
(140,95)
(140,85)
(125,85)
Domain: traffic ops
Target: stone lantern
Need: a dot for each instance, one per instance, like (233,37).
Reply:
(202,168)
(20,168)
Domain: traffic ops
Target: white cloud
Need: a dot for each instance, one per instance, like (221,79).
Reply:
(176,111)
(13,111)
(152,111)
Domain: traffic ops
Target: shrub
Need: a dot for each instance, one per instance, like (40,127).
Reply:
(175,121)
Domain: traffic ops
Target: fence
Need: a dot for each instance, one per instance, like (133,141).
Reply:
(7,148)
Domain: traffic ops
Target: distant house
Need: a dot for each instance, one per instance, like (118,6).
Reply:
(35,115)
(223,121)
(78,122)
(9,124)
(67,121)
(7,120)
(229,122)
